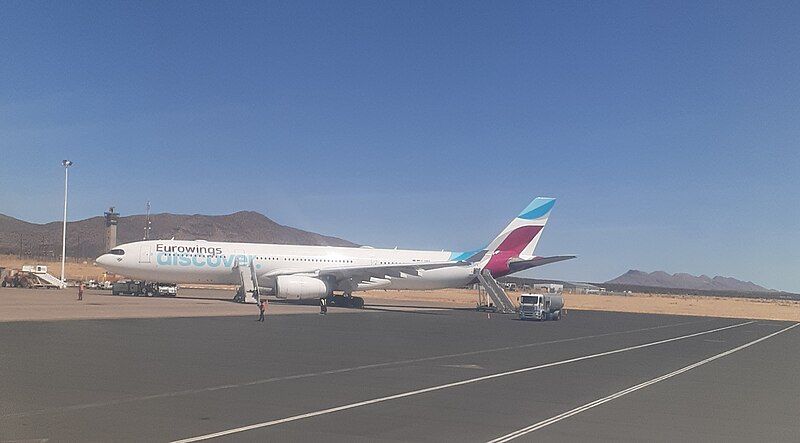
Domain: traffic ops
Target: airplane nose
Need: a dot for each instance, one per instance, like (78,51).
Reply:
(102,260)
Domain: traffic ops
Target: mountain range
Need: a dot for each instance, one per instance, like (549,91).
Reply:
(660,279)
(86,238)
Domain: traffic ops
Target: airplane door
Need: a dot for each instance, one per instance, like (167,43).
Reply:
(144,253)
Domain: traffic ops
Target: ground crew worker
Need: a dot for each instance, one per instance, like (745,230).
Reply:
(262,307)
(80,291)
(323,305)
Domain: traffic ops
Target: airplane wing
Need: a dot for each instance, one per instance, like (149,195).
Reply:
(366,272)
(520,264)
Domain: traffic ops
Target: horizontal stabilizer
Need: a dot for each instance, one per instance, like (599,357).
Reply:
(519,264)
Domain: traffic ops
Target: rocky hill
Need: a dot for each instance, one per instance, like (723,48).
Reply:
(85,238)
(660,279)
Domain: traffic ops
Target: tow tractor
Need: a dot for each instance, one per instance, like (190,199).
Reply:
(540,306)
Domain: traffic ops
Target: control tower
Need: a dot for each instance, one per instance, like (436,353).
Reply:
(111,228)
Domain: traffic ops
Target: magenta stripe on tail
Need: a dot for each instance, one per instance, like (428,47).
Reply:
(510,248)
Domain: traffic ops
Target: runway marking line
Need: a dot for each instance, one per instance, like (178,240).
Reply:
(445,386)
(600,401)
(126,400)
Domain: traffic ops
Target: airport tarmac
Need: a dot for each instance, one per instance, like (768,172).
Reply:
(402,374)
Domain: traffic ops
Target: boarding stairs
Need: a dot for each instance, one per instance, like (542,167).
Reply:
(495,292)
(52,280)
(248,291)
(45,280)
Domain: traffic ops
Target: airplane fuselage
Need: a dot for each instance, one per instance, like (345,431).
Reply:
(207,262)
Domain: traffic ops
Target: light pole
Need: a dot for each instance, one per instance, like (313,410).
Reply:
(66,164)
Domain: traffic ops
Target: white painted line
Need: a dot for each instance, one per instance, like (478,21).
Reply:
(598,402)
(29,440)
(444,386)
(120,401)
(464,366)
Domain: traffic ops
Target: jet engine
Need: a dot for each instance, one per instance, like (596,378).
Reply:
(299,287)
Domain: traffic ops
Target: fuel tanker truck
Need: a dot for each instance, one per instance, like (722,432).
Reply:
(540,306)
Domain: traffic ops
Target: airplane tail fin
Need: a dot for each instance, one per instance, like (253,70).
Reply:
(519,238)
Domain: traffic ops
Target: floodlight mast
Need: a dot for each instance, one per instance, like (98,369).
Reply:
(66,164)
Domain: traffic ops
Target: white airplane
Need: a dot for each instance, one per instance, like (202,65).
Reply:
(297,272)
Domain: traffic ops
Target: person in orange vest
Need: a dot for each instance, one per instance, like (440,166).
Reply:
(80,291)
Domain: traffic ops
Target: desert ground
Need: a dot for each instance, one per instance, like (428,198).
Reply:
(74,269)
(211,301)
(638,303)
(43,305)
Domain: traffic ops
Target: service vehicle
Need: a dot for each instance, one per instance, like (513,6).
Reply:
(128,287)
(164,289)
(540,306)
(149,289)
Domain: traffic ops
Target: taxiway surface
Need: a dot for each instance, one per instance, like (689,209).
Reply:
(423,375)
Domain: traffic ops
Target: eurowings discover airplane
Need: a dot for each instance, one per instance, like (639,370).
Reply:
(296,272)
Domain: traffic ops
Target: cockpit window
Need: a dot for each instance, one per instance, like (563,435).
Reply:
(117,252)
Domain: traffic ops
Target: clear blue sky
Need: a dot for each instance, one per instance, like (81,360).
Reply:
(669,132)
